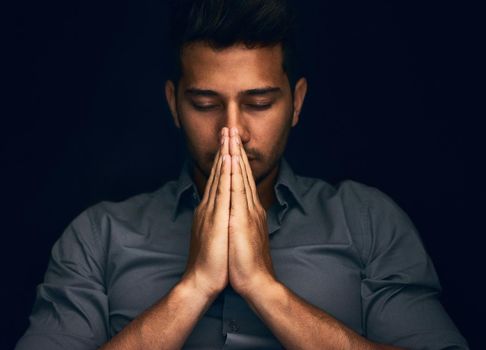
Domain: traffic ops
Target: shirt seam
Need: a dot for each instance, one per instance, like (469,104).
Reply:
(104,255)
(365,253)
(367,232)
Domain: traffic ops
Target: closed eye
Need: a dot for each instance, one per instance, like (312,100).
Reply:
(204,107)
(210,107)
(260,107)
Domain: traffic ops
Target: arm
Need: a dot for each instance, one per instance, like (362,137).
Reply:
(71,306)
(167,324)
(400,288)
(400,295)
(300,325)
(71,309)
(297,324)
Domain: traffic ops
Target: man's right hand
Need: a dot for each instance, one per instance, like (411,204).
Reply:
(207,265)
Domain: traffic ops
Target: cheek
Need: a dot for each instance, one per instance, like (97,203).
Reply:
(273,134)
(200,138)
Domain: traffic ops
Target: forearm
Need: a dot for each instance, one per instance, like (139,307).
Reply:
(299,325)
(167,324)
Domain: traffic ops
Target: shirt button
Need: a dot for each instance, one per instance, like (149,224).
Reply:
(233,326)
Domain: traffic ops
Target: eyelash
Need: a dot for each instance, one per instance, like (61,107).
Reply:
(259,107)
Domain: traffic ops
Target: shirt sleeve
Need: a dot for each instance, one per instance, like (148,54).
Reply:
(71,306)
(400,288)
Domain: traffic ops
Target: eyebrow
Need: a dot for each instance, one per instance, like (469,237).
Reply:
(261,91)
(251,92)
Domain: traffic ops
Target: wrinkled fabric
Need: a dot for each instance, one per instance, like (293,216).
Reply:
(347,249)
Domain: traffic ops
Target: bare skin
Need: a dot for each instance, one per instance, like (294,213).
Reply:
(229,239)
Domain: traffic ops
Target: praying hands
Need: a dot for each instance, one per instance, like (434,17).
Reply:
(229,233)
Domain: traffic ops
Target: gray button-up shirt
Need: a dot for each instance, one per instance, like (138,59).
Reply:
(347,249)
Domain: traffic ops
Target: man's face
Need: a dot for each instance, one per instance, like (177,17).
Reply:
(234,87)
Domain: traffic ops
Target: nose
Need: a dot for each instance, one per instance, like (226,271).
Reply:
(235,119)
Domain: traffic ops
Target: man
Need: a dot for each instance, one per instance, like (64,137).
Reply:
(240,253)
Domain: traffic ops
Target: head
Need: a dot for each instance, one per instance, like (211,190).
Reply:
(234,67)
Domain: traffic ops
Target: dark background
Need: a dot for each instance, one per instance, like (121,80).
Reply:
(84,119)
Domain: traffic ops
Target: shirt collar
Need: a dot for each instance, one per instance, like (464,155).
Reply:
(287,189)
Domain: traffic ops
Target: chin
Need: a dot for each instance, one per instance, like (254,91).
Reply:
(260,174)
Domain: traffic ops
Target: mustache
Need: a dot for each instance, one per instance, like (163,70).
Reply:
(249,154)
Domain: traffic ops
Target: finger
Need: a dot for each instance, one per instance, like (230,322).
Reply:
(210,181)
(223,193)
(252,194)
(217,176)
(244,175)
(224,189)
(235,150)
(239,203)
(249,175)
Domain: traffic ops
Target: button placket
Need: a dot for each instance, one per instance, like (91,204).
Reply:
(233,326)
(231,312)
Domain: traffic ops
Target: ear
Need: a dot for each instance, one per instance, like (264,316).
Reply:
(170,95)
(299,96)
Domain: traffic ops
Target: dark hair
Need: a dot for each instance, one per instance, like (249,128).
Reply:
(223,23)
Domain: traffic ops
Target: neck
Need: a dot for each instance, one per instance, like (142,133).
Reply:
(265,185)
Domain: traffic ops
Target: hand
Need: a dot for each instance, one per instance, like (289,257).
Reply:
(250,263)
(207,266)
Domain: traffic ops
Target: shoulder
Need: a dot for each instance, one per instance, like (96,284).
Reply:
(94,225)
(372,218)
(351,194)
(135,208)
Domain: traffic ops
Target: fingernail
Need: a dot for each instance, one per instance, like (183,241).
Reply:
(224,158)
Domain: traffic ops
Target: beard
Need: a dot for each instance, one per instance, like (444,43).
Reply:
(262,166)
(260,169)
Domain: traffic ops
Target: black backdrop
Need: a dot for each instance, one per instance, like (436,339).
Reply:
(85,120)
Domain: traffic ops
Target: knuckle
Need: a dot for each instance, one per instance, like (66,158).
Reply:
(209,221)
(219,191)
(238,190)
(200,210)
(264,214)
(260,211)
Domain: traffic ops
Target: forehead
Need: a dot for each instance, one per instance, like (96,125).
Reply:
(235,67)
